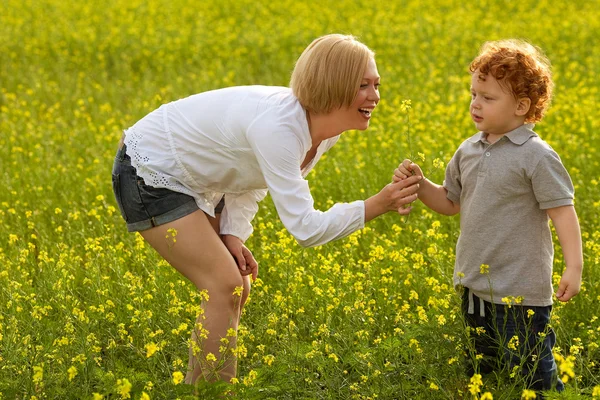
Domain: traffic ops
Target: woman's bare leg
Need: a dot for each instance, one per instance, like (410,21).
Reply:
(199,254)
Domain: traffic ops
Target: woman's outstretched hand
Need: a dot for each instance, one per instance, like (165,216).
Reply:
(394,196)
(242,255)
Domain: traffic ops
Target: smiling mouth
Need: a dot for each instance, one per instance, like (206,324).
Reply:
(366,112)
(476,118)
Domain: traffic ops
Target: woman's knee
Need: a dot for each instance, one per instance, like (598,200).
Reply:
(225,287)
(245,291)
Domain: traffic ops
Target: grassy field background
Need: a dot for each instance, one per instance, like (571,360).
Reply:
(87,311)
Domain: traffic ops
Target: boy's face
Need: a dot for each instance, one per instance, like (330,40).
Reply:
(494,109)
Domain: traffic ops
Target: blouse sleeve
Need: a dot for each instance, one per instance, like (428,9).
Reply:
(280,155)
(239,210)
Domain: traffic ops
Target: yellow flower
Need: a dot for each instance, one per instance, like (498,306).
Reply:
(238,291)
(596,392)
(38,374)
(251,378)
(124,388)
(475,385)
(72,372)
(486,396)
(151,348)
(144,396)
(513,343)
(177,377)
(268,359)
(406,105)
(171,236)
(97,396)
(528,394)
(484,269)
(211,357)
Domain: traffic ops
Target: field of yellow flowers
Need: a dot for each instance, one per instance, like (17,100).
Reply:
(88,311)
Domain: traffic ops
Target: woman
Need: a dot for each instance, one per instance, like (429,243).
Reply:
(199,165)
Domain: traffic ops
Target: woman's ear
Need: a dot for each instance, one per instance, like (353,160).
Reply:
(523,105)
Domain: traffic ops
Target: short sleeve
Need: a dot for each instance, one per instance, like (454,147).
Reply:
(452,182)
(551,182)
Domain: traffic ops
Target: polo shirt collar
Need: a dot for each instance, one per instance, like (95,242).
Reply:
(517,136)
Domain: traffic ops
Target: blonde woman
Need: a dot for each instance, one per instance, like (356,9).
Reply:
(198,166)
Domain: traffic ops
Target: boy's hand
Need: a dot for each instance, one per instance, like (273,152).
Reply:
(405,169)
(569,286)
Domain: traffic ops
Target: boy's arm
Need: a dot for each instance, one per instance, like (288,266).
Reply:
(432,195)
(566,224)
(435,197)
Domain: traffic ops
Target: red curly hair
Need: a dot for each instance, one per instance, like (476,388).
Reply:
(521,68)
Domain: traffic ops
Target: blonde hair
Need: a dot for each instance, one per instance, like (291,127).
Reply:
(329,71)
(520,67)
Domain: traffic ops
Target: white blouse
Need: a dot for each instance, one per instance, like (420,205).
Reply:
(239,142)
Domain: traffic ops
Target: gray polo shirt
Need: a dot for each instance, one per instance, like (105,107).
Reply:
(504,190)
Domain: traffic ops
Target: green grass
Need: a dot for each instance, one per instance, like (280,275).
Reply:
(373,316)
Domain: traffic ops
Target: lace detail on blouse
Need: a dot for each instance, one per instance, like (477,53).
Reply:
(142,164)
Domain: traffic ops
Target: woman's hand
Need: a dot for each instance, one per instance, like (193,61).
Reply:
(393,197)
(242,255)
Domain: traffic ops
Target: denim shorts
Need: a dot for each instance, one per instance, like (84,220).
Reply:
(143,206)
(533,349)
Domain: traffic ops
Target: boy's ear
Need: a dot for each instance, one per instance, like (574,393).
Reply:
(523,105)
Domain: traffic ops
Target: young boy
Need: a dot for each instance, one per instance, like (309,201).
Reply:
(505,181)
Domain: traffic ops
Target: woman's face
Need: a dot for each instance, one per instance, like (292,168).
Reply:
(358,114)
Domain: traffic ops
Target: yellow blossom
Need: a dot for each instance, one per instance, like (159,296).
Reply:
(124,388)
(177,377)
(238,291)
(528,394)
(151,348)
(38,374)
(72,372)
(475,385)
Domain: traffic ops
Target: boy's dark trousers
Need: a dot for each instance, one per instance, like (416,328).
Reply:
(501,322)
